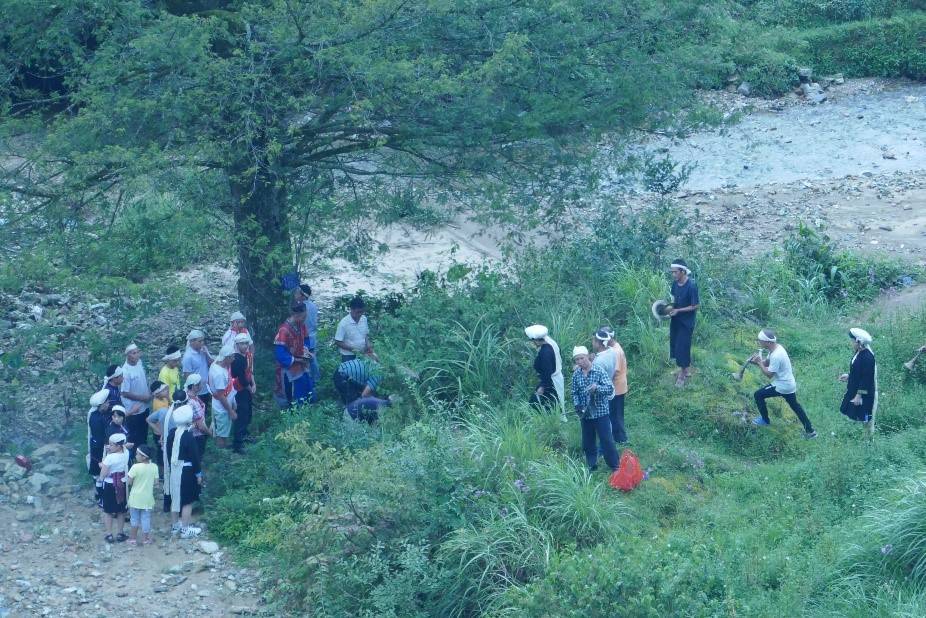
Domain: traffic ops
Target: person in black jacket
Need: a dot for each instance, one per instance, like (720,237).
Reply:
(183,474)
(861,399)
(545,395)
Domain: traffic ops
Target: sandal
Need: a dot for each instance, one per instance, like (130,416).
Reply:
(121,537)
(109,538)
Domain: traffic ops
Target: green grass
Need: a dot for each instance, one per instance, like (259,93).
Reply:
(467,502)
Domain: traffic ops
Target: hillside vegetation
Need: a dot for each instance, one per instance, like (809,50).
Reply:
(465,502)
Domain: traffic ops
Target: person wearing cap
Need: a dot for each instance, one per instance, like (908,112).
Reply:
(549,367)
(199,430)
(353,333)
(196,359)
(303,294)
(170,371)
(242,372)
(238,325)
(591,390)
(113,384)
(610,356)
(685,303)
(97,421)
(223,395)
(113,469)
(135,397)
(183,473)
(292,356)
(861,399)
(777,367)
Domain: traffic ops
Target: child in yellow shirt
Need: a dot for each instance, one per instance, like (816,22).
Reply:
(140,480)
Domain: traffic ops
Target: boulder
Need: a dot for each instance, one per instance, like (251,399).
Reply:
(744,89)
(208,547)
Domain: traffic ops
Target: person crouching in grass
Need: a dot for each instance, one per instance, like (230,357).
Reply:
(591,390)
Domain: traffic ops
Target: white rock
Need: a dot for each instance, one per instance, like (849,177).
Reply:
(208,547)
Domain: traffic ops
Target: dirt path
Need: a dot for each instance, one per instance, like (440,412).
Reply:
(54,561)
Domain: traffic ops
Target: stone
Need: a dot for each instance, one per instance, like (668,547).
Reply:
(805,73)
(47,449)
(36,312)
(38,481)
(744,89)
(208,547)
(242,609)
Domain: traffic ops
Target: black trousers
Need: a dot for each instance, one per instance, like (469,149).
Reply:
(616,414)
(547,401)
(680,335)
(245,405)
(767,392)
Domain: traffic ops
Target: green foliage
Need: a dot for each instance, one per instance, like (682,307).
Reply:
(769,73)
(839,274)
(894,47)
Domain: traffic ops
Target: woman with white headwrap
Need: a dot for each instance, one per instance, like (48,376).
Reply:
(549,367)
(182,472)
(861,399)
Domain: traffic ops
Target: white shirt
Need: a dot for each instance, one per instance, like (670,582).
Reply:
(116,462)
(606,360)
(136,382)
(354,334)
(218,382)
(780,365)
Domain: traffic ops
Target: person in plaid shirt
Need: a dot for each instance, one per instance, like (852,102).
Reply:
(591,390)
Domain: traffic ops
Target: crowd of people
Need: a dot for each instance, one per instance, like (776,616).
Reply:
(199,395)
(600,384)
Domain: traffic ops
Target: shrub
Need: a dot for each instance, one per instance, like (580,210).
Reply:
(894,47)
(573,503)
(769,73)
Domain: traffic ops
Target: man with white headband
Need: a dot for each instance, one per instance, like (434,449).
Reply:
(619,379)
(196,359)
(861,399)
(685,303)
(223,395)
(135,397)
(170,372)
(777,367)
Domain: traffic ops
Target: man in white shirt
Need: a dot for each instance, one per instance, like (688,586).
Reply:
(353,334)
(223,395)
(135,396)
(777,367)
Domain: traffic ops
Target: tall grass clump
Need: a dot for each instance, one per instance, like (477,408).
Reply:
(572,502)
(487,557)
(899,526)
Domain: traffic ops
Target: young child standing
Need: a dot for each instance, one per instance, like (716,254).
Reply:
(141,497)
(159,403)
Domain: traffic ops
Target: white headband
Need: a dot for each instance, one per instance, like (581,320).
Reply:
(860,335)
(579,350)
(763,337)
(130,348)
(681,267)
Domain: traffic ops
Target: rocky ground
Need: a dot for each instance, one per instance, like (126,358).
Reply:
(54,561)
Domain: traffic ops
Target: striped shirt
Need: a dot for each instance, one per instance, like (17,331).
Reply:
(360,372)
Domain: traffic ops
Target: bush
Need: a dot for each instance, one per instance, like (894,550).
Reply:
(769,73)
(894,47)
(840,274)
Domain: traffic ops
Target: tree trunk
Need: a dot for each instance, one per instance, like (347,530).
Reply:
(264,253)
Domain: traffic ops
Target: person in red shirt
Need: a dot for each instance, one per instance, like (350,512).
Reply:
(293,358)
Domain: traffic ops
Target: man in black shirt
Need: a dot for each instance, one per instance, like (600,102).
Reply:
(685,303)
(243,381)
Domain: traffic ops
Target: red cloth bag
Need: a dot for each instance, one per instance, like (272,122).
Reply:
(628,474)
